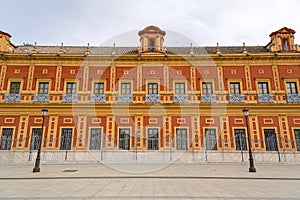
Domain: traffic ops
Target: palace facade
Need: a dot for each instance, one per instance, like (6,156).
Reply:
(151,98)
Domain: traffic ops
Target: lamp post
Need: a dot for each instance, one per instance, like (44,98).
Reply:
(251,168)
(38,157)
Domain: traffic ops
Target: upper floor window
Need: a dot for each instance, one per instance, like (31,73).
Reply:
(286,45)
(152,88)
(263,88)
(179,88)
(207,88)
(43,87)
(98,88)
(15,88)
(152,45)
(235,88)
(71,88)
(125,88)
(291,88)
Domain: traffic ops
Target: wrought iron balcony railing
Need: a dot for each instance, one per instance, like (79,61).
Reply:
(208,98)
(265,98)
(152,98)
(125,98)
(236,98)
(12,98)
(41,98)
(293,98)
(180,98)
(97,98)
(69,98)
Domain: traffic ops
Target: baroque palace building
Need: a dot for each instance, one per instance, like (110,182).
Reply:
(151,98)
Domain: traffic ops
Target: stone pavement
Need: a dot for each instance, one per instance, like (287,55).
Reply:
(149,181)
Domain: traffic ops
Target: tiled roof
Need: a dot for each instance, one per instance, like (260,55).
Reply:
(133,50)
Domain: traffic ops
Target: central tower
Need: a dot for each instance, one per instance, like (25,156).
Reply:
(152,39)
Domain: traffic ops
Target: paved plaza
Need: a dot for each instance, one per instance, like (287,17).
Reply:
(149,181)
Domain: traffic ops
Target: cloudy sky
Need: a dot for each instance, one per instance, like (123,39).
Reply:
(99,22)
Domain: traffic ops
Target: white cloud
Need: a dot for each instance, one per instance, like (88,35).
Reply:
(75,22)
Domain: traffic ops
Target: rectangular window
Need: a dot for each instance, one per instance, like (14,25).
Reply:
(152,88)
(66,139)
(43,88)
(152,139)
(179,88)
(71,88)
(207,88)
(98,88)
(240,139)
(181,139)
(297,138)
(286,45)
(291,88)
(270,140)
(152,47)
(210,139)
(235,88)
(6,138)
(95,139)
(125,88)
(36,138)
(124,139)
(15,88)
(263,88)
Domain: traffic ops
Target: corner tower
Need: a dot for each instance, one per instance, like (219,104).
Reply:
(151,39)
(5,44)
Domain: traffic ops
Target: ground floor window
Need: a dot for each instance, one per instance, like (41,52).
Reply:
(270,140)
(124,138)
(95,139)
(36,138)
(6,138)
(297,138)
(210,139)
(181,139)
(153,139)
(240,139)
(66,139)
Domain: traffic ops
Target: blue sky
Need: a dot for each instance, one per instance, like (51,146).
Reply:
(206,22)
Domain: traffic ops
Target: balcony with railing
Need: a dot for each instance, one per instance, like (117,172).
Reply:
(236,98)
(152,98)
(180,98)
(97,98)
(208,98)
(69,98)
(41,98)
(12,98)
(125,98)
(293,98)
(265,98)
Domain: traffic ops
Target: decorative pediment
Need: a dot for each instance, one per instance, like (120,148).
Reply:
(283,30)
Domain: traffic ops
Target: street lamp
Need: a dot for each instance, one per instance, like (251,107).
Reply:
(251,168)
(38,157)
